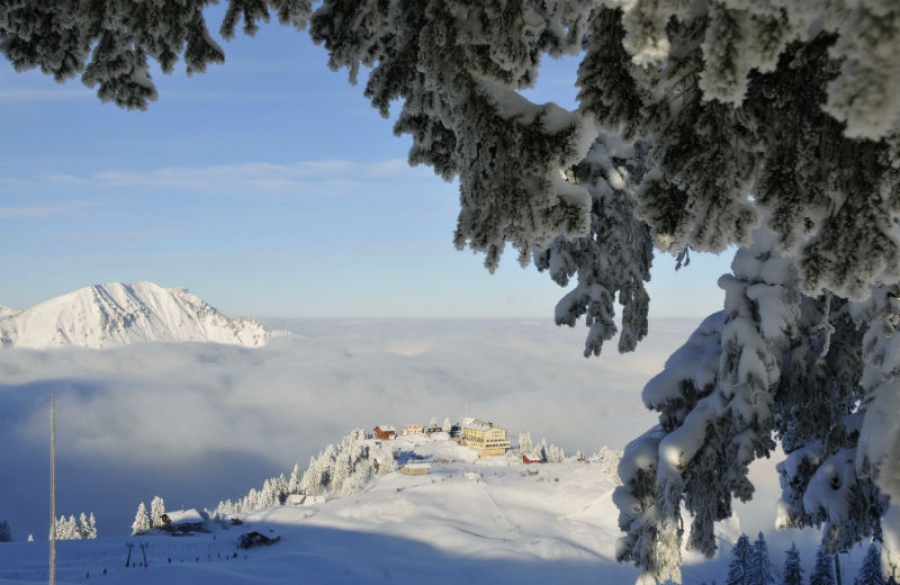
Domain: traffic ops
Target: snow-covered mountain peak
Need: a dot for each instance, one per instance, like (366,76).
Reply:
(117,314)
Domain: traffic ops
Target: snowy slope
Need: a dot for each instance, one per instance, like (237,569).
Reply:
(116,314)
(468,519)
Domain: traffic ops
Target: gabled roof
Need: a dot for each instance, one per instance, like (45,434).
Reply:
(386,428)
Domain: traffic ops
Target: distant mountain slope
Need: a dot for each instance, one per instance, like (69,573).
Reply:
(117,314)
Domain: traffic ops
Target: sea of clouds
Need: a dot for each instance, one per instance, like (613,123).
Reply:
(197,423)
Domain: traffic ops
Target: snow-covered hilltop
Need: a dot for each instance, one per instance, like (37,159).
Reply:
(117,314)
(454,518)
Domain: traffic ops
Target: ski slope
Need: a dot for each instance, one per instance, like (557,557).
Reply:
(468,519)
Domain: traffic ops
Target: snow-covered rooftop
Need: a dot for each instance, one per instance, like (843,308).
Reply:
(478,425)
(190,516)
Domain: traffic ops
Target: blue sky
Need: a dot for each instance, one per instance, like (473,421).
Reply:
(269,187)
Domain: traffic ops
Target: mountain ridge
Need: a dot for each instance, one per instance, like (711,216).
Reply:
(117,314)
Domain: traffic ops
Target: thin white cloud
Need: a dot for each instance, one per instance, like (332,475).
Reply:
(118,236)
(25,95)
(243,178)
(33,212)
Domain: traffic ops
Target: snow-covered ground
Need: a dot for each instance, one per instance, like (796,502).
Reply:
(468,519)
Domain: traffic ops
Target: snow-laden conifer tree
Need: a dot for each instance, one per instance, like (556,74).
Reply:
(157,509)
(250,502)
(823,572)
(792,572)
(762,571)
(772,126)
(526,445)
(294,484)
(67,528)
(870,572)
(141,524)
(267,495)
(71,528)
(311,484)
(87,526)
(609,460)
(739,567)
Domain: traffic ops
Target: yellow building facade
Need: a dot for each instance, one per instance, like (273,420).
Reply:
(484,437)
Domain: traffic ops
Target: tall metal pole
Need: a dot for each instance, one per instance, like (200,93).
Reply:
(52,492)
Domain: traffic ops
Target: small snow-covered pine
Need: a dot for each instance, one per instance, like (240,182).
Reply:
(87,526)
(762,571)
(870,573)
(157,509)
(141,524)
(822,573)
(792,573)
(739,566)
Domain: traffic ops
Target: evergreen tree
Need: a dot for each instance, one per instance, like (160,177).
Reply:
(282,488)
(526,446)
(311,484)
(67,528)
(792,574)
(739,566)
(609,460)
(823,573)
(762,571)
(87,526)
(447,426)
(5,531)
(696,124)
(542,450)
(870,572)
(294,484)
(250,503)
(157,509)
(71,528)
(265,496)
(141,524)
